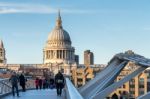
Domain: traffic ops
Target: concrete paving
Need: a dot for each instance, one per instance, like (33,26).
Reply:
(37,94)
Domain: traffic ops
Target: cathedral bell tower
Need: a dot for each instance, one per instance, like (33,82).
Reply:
(2,53)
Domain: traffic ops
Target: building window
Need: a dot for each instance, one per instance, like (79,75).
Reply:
(1,54)
(141,86)
(88,79)
(124,86)
(141,92)
(141,81)
(132,82)
(120,92)
(80,80)
(124,92)
(132,92)
(132,86)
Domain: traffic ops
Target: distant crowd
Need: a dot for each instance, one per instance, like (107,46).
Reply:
(57,82)
(43,83)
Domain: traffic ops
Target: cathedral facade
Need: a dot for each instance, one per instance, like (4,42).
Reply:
(58,47)
(58,53)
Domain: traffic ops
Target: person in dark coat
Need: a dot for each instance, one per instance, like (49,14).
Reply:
(37,83)
(40,83)
(22,80)
(59,82)
(52,83)
(14,82)
(44,83)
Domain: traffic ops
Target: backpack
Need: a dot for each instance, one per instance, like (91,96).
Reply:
(59,81)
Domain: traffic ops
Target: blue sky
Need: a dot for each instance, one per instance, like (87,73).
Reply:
(106,27)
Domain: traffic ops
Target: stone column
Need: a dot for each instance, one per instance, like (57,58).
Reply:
(70,55)
(65,54)
(50,54)
(58,54)
(62,54)
(46,54)
(54,54)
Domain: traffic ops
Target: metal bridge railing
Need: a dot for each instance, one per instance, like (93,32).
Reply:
(6,88)
(71,91)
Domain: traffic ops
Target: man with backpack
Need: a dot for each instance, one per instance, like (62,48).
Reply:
(14,82)
(59,82)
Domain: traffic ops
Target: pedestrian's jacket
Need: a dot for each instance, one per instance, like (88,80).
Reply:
(22,80)
(59,79)
(37,82)
(14,79)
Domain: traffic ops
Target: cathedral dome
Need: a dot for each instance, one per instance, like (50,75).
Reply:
(58,34)
(58,48)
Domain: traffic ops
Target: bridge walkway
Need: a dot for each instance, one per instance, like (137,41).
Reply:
(37,94)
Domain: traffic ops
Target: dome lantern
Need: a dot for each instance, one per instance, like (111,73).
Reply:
(58,21)
(1,44)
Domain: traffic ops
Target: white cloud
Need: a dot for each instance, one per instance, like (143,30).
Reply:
(8,8)
(11,8)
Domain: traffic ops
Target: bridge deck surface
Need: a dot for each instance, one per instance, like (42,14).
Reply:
(36,94)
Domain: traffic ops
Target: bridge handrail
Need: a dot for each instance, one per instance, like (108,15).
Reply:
(71,91)
(5,86)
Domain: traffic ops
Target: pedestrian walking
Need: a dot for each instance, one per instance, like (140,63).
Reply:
(44,83)
(37,83)
(52,83)
(40,83)
(14,82)
(59,82)
(22,80)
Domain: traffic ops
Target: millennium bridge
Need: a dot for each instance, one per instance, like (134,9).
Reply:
(99,88)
